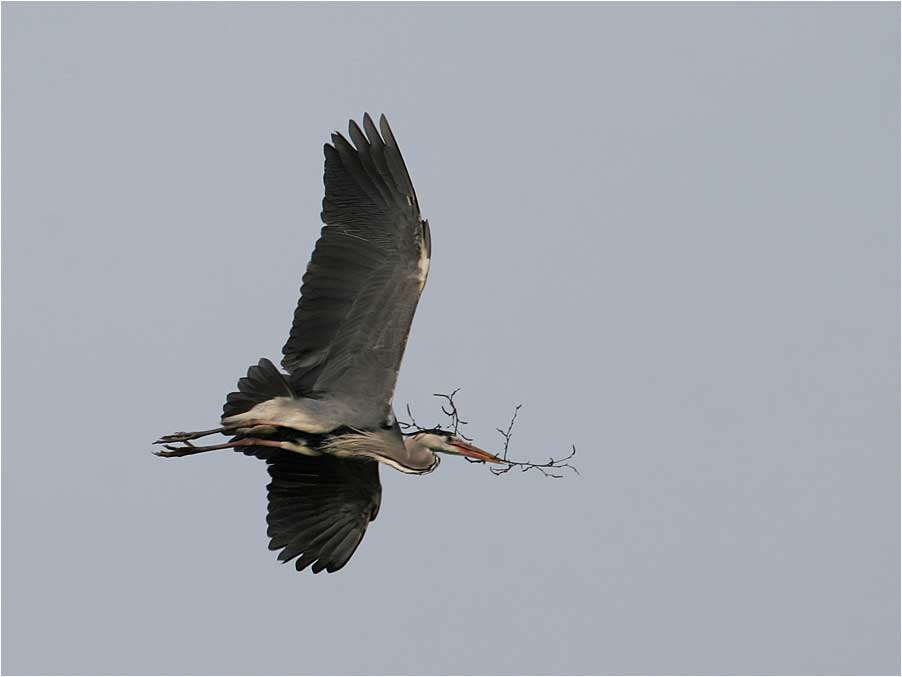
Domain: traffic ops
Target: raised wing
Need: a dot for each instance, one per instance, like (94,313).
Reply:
(319,508)
(364,279)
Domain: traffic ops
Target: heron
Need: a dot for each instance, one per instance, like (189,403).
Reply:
(326,424)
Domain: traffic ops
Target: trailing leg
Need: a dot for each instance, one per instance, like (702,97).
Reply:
(184,437)
(188,449)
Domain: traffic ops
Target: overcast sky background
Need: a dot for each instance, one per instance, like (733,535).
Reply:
(670,231)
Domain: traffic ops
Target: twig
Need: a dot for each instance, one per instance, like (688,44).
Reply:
(407,425)
(544,468)
(507,434)
(453,413)
(450,409)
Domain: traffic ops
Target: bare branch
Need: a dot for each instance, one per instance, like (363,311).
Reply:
(544,468)
(451,410)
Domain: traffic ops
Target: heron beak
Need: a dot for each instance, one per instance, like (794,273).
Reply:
(467,449)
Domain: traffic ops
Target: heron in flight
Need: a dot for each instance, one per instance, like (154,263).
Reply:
(324,427)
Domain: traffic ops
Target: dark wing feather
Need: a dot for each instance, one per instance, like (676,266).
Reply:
(364,279)
(319,508)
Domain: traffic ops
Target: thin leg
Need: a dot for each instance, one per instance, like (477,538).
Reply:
(184,437)
(188,449)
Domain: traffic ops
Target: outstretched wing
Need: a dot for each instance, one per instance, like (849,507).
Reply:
(364,279)
(319,508)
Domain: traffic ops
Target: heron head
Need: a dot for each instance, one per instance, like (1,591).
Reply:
(446,443)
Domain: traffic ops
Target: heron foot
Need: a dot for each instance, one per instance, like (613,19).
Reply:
(174,452)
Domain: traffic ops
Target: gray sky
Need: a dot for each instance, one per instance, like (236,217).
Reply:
(671,232)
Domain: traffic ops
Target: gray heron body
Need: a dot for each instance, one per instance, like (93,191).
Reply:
(325,426)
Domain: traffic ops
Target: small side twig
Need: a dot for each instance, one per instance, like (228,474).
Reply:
(449,409)
(412,423)
(452,412)
(507,434)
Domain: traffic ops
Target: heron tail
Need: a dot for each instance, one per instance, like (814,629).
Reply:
(263,382)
